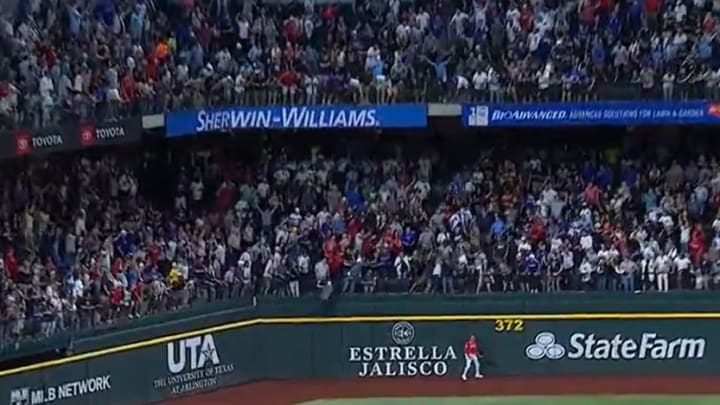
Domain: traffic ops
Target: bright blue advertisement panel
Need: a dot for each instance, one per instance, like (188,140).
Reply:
(598,113)
(296,117)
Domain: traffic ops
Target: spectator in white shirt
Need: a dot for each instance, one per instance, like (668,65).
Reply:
(480,83)
(664,264)
(322,273)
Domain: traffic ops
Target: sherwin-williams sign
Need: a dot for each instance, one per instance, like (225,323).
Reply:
(414,346)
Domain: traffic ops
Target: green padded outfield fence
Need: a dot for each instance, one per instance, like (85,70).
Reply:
(380,337)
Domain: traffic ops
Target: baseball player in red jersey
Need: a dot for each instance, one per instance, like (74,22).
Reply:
(472,356)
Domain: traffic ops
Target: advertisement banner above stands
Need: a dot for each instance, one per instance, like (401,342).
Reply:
(591,113)
(110,132)
(70,137)
(296,117)
(434,110)
(40,142)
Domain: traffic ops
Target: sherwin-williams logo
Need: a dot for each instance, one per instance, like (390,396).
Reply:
(402,358)
(649,345)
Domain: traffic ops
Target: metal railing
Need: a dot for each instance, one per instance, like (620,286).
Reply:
(87,318)
(34,115)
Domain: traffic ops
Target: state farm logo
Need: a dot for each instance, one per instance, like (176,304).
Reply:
(545,346)
(87,135)
(23,143)
(592,346)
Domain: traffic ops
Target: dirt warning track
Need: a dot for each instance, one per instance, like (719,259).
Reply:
(291,392)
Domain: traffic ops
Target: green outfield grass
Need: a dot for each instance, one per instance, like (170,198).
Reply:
(533,400)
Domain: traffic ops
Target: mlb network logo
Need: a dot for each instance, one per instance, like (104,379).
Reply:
(20,396)
(478,116)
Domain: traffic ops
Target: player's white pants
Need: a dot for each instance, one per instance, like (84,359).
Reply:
(662,282)
(470,360)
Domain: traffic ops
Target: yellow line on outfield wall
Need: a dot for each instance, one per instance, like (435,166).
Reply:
(354,319)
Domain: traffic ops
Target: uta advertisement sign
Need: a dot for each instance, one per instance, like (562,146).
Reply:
(193,364)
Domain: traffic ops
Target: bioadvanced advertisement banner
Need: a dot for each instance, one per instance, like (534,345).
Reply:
(619,113)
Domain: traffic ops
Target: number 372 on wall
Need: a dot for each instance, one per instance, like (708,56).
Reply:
(509,325)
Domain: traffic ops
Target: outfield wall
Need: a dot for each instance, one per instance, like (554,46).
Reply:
(257,343)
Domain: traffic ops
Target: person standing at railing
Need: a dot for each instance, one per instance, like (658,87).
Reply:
(668,83)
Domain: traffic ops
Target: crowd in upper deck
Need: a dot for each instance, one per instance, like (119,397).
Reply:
(102,58)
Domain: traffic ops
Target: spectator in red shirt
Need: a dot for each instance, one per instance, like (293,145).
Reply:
(335,262)
(11,264)
(288,85)
(329,247)
(291,29)
(696,246)
(128,86)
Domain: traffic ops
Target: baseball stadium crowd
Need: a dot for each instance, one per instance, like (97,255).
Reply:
(109,57)
(90,240)
(94,239)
